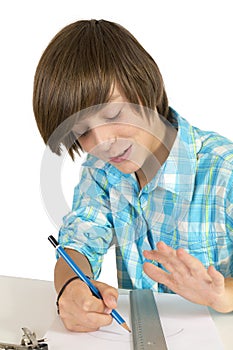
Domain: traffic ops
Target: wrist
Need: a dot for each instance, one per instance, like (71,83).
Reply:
(224,303)
(62,290)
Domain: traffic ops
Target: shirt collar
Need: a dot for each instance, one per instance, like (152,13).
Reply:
(177,174)
(115,176)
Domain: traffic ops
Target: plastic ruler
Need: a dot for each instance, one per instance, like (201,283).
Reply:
(146,326)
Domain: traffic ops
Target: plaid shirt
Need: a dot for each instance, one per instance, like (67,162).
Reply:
(189,204)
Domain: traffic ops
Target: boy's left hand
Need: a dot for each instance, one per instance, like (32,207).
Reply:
(187,277)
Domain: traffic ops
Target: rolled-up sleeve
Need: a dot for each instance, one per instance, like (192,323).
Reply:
(229,212)
(88,227)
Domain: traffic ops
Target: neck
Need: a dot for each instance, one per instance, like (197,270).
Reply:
(154,161)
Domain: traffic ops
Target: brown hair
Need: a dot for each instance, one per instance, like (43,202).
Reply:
(79,68)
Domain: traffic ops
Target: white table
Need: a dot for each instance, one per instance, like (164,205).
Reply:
(25,303)
(31,303)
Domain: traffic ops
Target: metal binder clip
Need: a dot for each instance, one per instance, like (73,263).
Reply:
(28,341)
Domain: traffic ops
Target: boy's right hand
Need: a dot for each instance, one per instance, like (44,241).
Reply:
(80,311)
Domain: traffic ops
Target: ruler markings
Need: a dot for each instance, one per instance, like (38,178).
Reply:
(145,320)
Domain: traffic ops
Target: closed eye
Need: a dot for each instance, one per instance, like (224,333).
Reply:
(114,117)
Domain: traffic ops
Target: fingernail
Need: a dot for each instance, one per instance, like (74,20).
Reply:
(112,299)
(107,311)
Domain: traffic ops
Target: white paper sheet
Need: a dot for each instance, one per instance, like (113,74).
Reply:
(185,325)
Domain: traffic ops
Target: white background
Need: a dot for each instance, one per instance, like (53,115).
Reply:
(190,40)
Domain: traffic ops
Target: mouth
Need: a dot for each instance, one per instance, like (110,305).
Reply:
(121,157)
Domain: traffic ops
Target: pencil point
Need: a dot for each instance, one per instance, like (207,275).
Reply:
(125,326)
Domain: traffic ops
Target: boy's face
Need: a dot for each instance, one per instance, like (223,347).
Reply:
(119,135)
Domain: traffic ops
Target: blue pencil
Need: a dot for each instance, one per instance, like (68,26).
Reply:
(85,279)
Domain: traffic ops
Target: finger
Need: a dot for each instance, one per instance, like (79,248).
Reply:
(94,304)
(149,254)
(193,265)
(99,319)
(79,328)
(167,256)
(217,277)
(162,248)
(157,274)
(108,293)
(90,322)
(74,325)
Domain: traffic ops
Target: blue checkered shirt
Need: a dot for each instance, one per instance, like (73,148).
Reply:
(189,204)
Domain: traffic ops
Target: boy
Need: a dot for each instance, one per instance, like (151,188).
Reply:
(153,185)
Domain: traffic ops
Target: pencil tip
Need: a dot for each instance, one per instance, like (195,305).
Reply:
(125,326)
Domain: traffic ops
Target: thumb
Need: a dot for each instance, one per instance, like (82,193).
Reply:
(108,293)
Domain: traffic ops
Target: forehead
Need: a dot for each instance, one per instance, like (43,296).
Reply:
(117,94)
